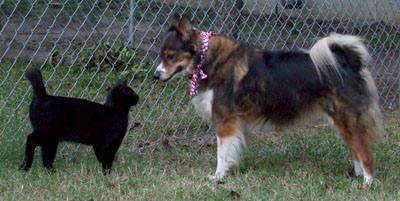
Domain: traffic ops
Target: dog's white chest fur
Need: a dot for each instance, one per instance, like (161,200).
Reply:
(203,104)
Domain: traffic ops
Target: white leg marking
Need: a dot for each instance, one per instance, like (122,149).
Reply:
(229,153)
(203,104)
(357,168)
(368,178)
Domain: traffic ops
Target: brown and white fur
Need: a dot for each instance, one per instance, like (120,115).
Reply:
(248,86)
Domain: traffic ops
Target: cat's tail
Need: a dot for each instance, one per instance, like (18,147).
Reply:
(35,77)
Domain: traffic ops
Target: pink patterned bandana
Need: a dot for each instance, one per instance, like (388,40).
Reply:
(198,72)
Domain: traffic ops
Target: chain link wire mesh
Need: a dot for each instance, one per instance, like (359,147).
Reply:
(83,47)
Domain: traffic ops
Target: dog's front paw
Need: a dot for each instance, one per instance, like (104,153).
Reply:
(217,176)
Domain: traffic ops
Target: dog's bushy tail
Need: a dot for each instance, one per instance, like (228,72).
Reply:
(373,112)
(325,54)
(350,47)
(35,78)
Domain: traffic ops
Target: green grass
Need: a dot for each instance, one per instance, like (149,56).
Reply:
(303,164)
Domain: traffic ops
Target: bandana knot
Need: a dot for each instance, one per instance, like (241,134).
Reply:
(198,72)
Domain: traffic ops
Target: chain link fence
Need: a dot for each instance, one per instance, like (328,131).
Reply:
(83,46)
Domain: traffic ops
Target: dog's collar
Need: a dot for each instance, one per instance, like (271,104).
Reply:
(198,72)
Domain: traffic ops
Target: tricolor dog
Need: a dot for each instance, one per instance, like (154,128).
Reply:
(236,86)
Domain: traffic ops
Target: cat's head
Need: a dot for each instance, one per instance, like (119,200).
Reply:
(121,95)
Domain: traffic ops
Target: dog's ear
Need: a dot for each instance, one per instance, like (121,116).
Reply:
(175,22)
(185,28)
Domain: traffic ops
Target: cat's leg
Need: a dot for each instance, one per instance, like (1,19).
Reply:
(101,155)
(105,157)
(32,142)
(109,158)
(49,150)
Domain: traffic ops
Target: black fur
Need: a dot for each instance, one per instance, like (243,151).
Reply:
(56,119)
(286,84)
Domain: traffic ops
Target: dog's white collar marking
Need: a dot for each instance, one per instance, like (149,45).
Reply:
(203,104)
(198,72)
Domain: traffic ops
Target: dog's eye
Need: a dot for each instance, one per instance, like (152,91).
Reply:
(169,56)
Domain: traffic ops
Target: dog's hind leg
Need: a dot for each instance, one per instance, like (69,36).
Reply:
(32,142)
(231,143)
(358,170)
(355,131)
(49,150)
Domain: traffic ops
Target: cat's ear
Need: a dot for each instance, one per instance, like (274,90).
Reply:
(120,81)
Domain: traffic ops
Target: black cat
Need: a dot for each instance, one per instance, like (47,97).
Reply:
(56,119)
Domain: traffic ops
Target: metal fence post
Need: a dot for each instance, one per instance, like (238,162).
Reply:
(132,8)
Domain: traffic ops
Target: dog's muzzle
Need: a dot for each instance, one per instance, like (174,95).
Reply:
(157,73)
(162,74)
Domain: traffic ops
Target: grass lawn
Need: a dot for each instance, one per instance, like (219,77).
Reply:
(307,163)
